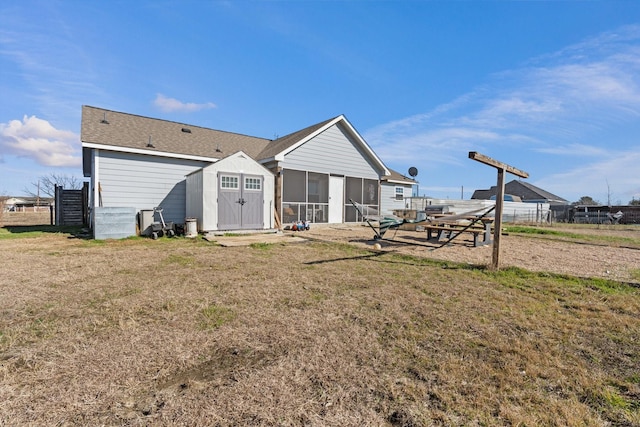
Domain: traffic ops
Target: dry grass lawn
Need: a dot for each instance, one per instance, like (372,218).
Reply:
(185,332)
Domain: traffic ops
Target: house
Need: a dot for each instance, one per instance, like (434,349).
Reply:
(140,163)
(527,192)
(26,204)
(395,189)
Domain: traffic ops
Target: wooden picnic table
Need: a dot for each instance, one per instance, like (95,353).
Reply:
(446,230)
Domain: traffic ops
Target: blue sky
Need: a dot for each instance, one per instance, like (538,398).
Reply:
(550,87)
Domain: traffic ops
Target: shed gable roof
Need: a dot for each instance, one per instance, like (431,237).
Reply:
(235,156)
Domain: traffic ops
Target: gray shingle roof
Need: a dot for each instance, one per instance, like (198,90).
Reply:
(133,132)
(398,177)
(100,126)
(542,193)
(281,144)
(523,189)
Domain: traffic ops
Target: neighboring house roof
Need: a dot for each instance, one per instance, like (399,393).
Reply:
(108,129)
(543,194)
(522,189)
(483,194)
(397,178)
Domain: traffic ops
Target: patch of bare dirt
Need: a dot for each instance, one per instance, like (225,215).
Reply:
(542,253)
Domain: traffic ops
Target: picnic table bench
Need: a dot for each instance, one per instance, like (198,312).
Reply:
(446,231)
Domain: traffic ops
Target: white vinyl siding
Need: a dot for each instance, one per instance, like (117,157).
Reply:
(389,197)
(144,182)
(332,151)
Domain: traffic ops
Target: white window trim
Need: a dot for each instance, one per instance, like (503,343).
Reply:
(232,178)
(254,180)
(399,193)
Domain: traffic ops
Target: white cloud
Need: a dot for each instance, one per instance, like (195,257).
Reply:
(579,103)
(167,105)
(616,172)
(574,150)
(37,139)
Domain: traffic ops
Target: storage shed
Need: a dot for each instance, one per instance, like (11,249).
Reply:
(235,193)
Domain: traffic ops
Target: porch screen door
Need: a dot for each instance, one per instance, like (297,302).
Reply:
(336,196)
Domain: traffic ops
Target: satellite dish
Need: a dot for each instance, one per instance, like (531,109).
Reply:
(413,171)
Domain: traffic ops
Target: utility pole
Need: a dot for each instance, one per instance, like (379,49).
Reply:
(502,169)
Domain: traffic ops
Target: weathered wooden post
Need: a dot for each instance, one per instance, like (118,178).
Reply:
(502,168)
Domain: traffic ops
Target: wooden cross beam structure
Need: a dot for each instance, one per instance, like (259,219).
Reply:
(502,168)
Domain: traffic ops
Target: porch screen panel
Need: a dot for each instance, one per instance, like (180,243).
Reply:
(353,190)
(294,186)
(370,192)
(318,188)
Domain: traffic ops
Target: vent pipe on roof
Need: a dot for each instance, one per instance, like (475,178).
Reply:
(218,150)
(186,130)
(104,119)
(149,144)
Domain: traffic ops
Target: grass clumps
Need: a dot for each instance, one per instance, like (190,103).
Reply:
(586,235)
(321,334)
(214,316)
(30,231)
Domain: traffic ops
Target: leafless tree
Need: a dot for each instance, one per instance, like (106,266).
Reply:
(609,194)
(45,186)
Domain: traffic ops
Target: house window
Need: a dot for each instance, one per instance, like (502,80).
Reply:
(253,184)
(229,182)
(399,193)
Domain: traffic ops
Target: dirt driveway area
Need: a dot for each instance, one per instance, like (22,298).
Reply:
(613,259)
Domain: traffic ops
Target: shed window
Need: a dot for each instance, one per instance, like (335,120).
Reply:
(252,184)
(399,193)
(229,182)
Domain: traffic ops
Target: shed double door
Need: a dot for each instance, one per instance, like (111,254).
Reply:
(240,201)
